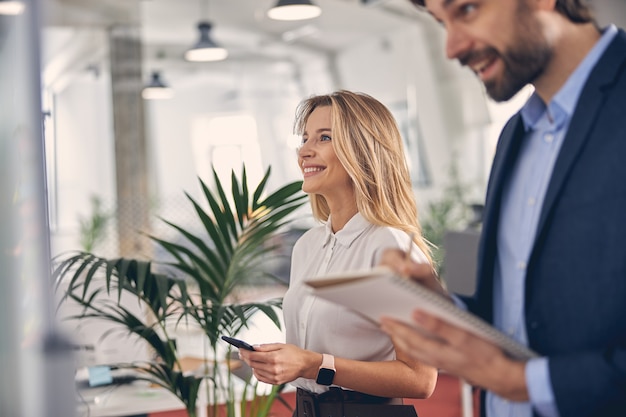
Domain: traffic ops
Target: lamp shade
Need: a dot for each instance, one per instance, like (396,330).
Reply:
(11,7)
(205,49)
(294,10)
(156,89)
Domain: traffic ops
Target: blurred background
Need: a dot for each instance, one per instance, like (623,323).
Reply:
(91,158)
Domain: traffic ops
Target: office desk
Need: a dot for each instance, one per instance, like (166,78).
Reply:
(136,398)
(126,400)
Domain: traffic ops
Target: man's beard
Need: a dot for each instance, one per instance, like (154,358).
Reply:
(524,62)
(521,66)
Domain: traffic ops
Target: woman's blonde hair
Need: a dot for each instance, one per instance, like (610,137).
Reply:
(368,144)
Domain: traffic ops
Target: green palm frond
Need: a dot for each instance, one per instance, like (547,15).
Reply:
(185,387)
(239,232)
(97,284)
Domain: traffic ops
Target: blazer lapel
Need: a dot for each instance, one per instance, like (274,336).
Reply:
(511,140)
(509,146)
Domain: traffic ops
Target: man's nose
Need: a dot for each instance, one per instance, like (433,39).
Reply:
(457,42)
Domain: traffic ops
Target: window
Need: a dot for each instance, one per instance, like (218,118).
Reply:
(224,143)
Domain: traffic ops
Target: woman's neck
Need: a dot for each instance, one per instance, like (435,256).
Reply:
(340,214)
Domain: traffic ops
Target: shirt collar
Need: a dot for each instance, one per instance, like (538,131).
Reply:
(562,105)
(353,229)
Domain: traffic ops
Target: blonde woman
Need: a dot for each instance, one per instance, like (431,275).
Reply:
(355,171)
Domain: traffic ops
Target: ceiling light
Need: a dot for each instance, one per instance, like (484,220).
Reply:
(294,10)
(205,49)
(156,88)
(11,7)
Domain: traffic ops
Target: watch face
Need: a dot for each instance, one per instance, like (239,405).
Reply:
(325,376)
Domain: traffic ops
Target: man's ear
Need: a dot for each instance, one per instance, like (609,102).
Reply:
(545,5)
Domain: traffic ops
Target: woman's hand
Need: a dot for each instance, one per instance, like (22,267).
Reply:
(279,363)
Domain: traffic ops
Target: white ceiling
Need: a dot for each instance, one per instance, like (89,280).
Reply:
(169,26)
(75,44)
(236,22)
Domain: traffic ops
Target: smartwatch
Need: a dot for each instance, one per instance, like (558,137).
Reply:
(327,370)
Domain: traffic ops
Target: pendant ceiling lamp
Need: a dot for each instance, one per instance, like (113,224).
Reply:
(156,89)
(205,49)
(11,7)
(294,10)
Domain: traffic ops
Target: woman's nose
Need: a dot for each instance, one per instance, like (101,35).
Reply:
(305,150)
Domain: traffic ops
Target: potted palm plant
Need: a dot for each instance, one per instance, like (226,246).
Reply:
(197,285)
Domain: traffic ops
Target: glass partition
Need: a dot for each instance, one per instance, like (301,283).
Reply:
(30,354)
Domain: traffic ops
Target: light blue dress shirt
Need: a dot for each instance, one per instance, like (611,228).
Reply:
(522,200)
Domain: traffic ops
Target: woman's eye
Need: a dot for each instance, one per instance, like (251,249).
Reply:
(303,141)
(325,138)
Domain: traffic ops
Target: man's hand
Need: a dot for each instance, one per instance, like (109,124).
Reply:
(449,347)
(460,353)
(404,266)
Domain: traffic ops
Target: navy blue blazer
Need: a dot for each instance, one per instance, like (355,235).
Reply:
(575,299)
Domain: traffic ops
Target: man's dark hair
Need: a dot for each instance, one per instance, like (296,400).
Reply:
(578,11)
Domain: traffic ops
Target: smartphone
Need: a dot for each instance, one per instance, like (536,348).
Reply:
(238,343)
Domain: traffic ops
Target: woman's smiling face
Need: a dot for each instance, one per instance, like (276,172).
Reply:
(322,171)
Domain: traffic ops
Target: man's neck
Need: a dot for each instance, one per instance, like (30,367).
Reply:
(572,43)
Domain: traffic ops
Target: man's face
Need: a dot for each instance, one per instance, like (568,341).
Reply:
(502,41)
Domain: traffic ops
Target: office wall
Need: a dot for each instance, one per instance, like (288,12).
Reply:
(83,153)
(445,103)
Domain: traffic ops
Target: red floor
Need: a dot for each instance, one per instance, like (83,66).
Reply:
(445,402)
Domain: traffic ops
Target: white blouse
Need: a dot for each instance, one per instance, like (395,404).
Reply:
(324,327)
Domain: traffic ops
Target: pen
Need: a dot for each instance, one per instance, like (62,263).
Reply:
(407,254)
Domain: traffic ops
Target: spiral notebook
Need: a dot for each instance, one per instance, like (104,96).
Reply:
(379,292)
